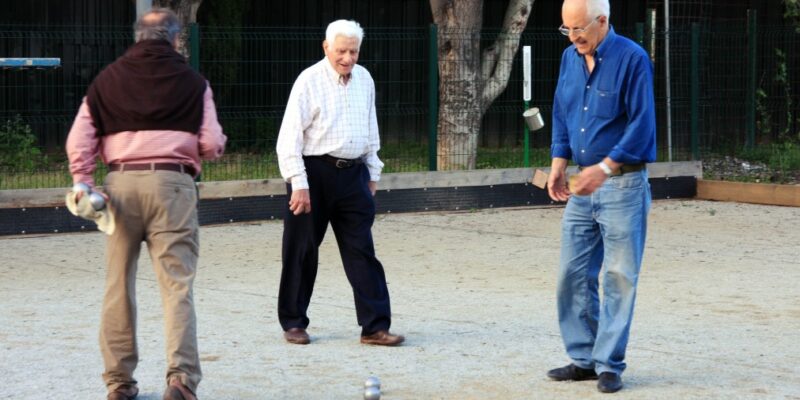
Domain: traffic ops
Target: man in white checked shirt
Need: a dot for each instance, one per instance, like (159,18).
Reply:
(328,154)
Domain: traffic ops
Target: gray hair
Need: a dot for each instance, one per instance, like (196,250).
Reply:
(158,23)
(344,28)
(596,8)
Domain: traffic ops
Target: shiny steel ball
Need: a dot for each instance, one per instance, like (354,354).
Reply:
(372,393)
(372,381)
(81,187)
(97,201)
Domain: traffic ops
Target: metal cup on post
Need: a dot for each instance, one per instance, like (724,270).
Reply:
(533,118)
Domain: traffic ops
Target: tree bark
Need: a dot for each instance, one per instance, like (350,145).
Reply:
(187,13)
(469,81)
(459,23)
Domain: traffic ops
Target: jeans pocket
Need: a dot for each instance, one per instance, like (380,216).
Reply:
(633,180)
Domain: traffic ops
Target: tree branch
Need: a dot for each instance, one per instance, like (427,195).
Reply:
(506,46)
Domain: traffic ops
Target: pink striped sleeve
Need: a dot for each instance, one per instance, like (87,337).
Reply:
(82,146)
(211,139)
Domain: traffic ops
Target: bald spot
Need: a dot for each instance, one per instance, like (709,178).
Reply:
(574,12)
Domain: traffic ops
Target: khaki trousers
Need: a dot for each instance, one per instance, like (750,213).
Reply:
(160,209)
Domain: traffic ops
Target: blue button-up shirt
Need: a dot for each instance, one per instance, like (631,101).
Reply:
(610,112)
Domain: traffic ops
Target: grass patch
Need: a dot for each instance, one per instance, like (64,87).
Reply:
(783,159)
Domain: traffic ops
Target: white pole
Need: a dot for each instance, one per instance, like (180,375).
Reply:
(526,73)
(669,80)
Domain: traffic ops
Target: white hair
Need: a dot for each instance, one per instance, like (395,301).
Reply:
(343,27)
(596,8)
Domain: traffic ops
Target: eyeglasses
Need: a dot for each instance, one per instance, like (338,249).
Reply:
(577,31)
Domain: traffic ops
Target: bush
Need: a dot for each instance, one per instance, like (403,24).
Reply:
(18,151)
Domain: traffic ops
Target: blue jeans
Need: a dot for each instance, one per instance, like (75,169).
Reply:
(605,229)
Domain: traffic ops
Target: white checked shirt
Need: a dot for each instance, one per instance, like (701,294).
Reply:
(326,116)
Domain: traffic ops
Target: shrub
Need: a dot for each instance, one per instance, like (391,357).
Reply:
(18,151)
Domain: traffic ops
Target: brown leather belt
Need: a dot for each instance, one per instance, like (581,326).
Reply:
(623,169)
(152,167)
(338,162)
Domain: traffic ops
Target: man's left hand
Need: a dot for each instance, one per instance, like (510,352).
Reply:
(373,187)
(589,180)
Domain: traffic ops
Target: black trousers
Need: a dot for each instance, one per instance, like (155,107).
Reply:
(339,196)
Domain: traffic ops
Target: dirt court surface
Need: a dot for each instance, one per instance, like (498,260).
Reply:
(717,317)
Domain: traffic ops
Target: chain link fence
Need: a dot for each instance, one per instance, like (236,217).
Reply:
(732,86)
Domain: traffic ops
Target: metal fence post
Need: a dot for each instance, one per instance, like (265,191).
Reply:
(751,79)
(640,34)
(695,91)
(650,33)
(433,94)
(194,46)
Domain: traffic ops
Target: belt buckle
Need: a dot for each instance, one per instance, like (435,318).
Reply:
(342,163)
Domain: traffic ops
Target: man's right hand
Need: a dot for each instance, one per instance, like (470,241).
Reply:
(557,181)
(300,202)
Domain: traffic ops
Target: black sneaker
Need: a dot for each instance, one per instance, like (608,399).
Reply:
(571,373)
(609,382)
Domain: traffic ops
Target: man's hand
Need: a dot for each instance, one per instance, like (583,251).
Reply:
(589,180)
(373,187)
(300,202)
(557,180)
(593,177)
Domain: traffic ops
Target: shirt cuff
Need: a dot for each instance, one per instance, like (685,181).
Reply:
(84,178)
(374,175)
(299,182)
(560,151)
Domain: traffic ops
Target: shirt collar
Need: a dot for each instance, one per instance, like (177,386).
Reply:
(606,43)
(333,75)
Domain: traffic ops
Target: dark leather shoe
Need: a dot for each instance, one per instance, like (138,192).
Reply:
(297,336)
(609,382)
(382,338)
(178,391)
(571,372)
(124,392)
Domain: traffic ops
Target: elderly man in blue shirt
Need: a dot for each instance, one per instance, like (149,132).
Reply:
(604,120)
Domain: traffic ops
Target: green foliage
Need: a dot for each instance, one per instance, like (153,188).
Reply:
(792,13)
(781,157)
(764,120)
(221,53)
(784,85)
(784,157)
(251,135)
(18,149)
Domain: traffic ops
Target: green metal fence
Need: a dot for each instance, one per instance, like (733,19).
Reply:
(732,86)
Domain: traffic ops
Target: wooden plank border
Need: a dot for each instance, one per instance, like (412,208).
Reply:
(755,193)
(394,181)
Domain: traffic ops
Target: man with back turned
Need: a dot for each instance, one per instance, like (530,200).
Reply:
(151,119)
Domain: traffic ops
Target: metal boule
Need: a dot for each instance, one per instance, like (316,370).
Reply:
(372,393)
(81,187)
(97,201)
(372,381)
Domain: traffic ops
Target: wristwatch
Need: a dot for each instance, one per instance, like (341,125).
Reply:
(605,168)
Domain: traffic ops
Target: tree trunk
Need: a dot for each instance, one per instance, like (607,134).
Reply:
(469,81)
(187,13)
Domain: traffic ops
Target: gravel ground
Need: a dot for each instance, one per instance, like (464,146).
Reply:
(718,311)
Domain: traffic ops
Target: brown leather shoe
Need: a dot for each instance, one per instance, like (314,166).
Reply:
(178,391)
(124,392)
(297,336)
(382,338)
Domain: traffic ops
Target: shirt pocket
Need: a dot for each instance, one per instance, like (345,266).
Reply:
(604,104)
